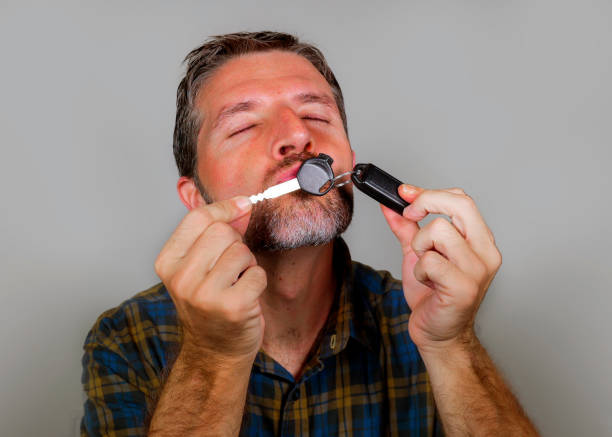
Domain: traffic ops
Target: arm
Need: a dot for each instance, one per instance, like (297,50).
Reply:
(201,397)
(471,397)
(446,271)
(215,285)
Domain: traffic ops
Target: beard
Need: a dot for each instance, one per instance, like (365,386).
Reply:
(298,219)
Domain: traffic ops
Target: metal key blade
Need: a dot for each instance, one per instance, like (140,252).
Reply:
(276,191)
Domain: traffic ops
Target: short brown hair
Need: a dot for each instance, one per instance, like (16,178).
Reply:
(204,60)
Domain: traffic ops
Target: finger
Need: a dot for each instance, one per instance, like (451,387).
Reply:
(251,283)
(414,290)
(455,191)
(403,228)
(234,260)
(198,219)
(463,214)
(443,237)
(452,284)
(207,249)
(193,225)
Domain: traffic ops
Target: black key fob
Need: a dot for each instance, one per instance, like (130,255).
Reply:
(379,185)
(316,176)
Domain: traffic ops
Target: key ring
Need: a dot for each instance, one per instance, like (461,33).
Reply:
(348,181)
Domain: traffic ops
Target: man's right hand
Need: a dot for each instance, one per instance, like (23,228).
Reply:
(215,283)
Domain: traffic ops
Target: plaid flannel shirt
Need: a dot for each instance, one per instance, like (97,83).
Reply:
(365,379)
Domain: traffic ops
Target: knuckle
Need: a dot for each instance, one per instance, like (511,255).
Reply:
(231,310)
(429,259)
(497,258)
(223,231)
(238,253)
(203,298)
(419,268)
(201,215)
(467,201)
(439,224)
(481,271)
(178,283)
(159,266)
(259,276)
(228,207)
(241,250)
(217,228)
(423,197)
(201,301)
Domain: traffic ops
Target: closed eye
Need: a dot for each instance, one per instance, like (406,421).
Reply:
(241,130)
(313,118)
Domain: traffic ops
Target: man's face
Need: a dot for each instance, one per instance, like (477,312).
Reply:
(264,114)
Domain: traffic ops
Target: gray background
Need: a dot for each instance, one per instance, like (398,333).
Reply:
(511,100)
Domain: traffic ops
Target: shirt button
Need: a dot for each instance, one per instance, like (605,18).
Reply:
(332,342)
(296,394)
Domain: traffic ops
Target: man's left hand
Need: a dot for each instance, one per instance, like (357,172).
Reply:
(447,266)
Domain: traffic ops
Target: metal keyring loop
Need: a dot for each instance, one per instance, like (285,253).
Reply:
(348,181)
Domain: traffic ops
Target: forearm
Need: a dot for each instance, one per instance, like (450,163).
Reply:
(201,397)
(471,397)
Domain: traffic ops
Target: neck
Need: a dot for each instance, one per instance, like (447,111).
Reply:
(298,298)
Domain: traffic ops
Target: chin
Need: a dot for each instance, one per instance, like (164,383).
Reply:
(299,219)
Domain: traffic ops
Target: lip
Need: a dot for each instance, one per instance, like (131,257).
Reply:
(289,174)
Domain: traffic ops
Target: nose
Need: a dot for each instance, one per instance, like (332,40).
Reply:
(292,136)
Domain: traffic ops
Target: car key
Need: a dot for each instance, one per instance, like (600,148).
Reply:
(315,176)
(379,185)
(276,191)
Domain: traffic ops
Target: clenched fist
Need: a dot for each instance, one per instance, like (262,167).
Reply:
(448,265)
(215,282)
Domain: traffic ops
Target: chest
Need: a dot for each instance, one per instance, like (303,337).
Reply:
(352,393)
(291,358)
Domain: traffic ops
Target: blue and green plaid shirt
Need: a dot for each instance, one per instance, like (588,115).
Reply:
(365,379)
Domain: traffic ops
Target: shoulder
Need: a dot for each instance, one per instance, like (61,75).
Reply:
(383,291)
(378,282)
(142,327)
(146,310)
(384,299)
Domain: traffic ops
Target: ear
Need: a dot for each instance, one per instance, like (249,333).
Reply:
(353,153)
(189,193)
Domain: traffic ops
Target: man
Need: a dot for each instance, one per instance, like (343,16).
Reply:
(262,324)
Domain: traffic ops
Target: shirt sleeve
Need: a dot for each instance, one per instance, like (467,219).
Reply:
(116,403)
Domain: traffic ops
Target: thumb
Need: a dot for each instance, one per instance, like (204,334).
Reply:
(404,229)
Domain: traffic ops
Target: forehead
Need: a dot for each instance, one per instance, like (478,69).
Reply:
(260,75)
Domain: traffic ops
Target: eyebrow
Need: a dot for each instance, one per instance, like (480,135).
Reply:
(233,109)
(248,105)
(323,99)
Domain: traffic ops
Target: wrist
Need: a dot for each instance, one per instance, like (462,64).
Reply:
(455,349)
(208,363)
(204,394)
(218,350)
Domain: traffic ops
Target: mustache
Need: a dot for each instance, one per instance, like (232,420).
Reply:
(289,161)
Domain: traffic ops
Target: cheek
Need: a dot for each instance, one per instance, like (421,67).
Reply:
(225,181)
(342,164)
